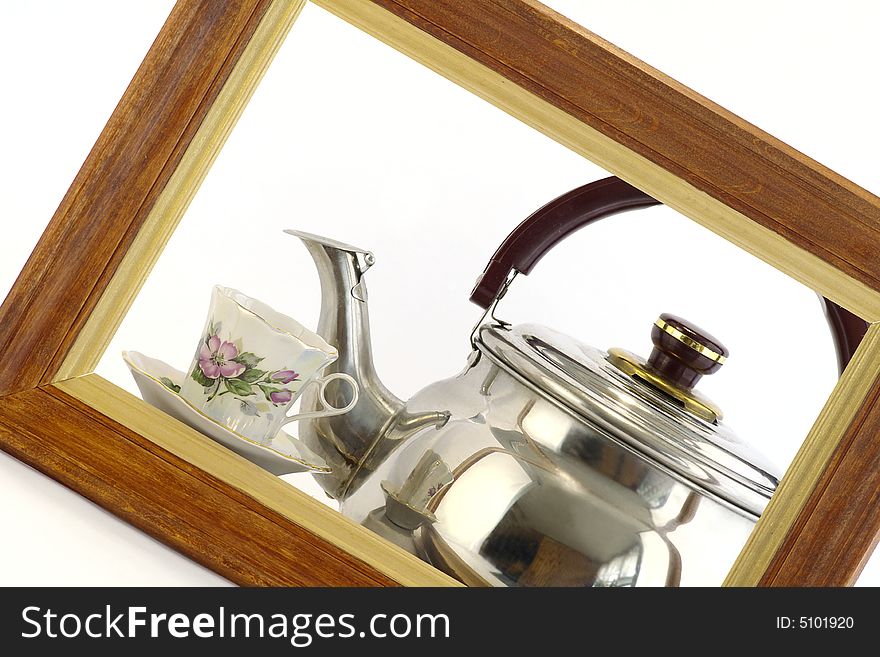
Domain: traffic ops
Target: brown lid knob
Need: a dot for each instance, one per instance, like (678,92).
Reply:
(683,352)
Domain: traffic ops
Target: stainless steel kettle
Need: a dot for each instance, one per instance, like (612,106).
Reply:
(545,461)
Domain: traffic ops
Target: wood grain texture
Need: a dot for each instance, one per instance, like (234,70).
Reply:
(839,434)
(181,504)
(838,528)
(133,159)
(571,132)
(654,116)
(208,503)
(164,496)
(561,79)
(97,329)
(325,525)
(701,160)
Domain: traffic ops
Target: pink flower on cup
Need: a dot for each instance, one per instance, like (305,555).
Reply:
(222,369)
(285,376)
(280,396)
(215,359)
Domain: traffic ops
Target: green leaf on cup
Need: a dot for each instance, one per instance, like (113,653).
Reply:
(199,377)
(168,383)
(267,390)
(247,359)
(250,376)
(239,387)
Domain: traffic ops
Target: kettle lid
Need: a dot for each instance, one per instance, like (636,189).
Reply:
(648,405)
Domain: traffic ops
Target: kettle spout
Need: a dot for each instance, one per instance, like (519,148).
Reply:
(345,440)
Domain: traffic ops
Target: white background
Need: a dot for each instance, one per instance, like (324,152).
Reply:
(348,138)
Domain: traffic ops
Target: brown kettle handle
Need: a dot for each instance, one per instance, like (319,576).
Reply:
(561,217)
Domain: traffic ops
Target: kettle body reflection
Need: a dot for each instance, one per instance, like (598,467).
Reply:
(545,462)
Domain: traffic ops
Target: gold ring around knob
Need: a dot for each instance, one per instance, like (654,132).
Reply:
(689,341)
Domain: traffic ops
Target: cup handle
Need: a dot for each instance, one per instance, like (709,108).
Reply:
(329,410)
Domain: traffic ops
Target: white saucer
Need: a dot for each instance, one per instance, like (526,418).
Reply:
(284,455)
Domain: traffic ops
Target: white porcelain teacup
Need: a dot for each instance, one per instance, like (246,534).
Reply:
(253,363)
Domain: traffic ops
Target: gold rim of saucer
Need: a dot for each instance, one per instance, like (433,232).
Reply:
(311,466)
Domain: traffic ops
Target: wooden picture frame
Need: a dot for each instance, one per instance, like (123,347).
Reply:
(551,73)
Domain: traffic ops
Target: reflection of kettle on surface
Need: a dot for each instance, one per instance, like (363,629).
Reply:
(546,461)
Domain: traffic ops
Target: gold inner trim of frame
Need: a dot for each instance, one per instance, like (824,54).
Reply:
(169,208)
(252,480)
(810,462)
(810,270)
(711,213)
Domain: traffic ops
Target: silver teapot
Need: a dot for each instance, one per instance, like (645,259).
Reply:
(545,462)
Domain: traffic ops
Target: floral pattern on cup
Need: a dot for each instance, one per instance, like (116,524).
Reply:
(248,374)
(223,369)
